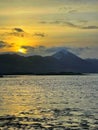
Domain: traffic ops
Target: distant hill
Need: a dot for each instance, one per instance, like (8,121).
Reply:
(62,61)
(94,63)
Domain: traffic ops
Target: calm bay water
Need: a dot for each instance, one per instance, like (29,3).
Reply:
(49,102)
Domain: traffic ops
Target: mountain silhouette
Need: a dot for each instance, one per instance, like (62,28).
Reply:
(71,62)
(61,61)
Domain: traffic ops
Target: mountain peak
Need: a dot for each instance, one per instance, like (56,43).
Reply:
(60,54)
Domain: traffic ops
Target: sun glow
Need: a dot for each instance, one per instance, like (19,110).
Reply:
(22,50)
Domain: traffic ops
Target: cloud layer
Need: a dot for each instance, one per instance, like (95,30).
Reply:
(2,44)
(70,24)
(84,52)
(38,25)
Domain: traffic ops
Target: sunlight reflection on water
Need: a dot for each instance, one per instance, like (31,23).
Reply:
(49,102)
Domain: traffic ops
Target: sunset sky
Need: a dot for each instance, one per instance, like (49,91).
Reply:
(44,26)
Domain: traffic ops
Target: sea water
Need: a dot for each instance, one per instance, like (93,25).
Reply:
(49,102)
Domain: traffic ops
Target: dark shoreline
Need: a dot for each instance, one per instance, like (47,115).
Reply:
(44,74)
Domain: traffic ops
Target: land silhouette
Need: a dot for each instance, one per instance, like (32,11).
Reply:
(62,62)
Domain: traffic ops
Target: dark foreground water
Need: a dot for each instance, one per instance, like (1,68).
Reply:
(49,103)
